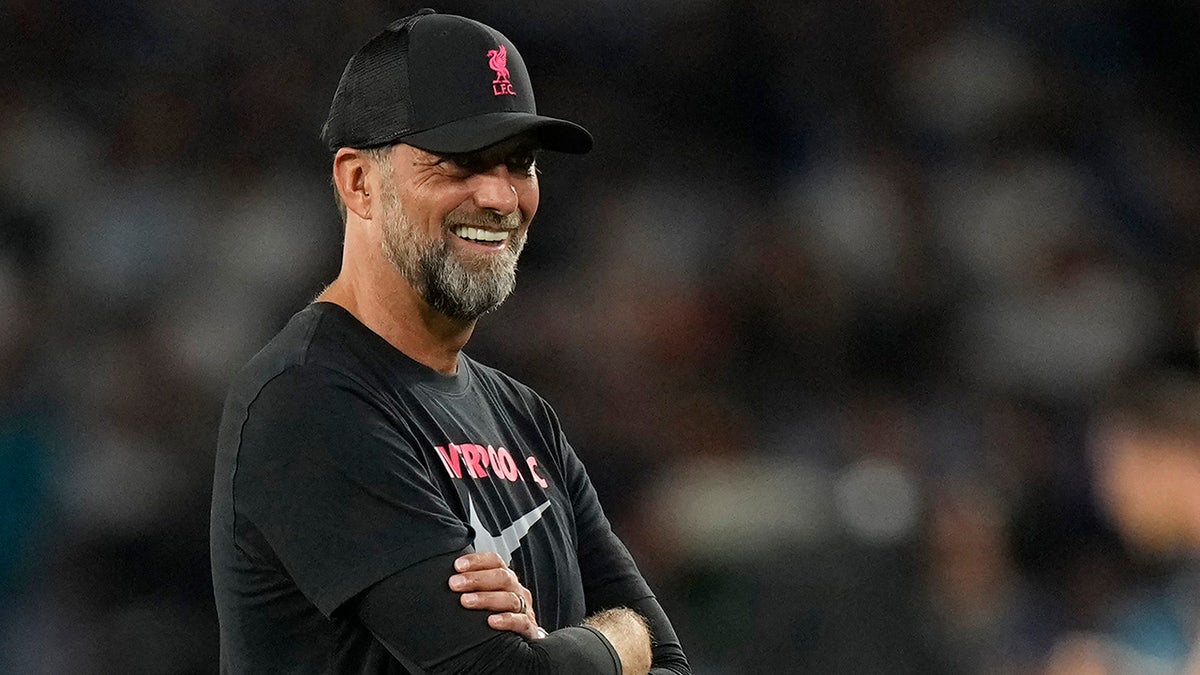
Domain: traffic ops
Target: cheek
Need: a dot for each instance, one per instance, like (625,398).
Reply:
(1120,486)
(1138,499)
(430,209)
(528,196)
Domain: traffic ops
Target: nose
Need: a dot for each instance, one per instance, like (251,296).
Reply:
(494,190)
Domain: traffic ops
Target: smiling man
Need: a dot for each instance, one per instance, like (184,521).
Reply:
(382,503)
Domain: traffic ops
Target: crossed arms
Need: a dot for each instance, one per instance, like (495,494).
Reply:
(614,640)
(330,502)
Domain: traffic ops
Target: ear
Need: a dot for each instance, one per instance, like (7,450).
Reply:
(352,174)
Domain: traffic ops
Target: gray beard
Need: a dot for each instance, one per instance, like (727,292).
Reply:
(464,289)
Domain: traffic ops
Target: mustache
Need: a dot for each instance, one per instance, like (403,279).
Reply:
(486,219)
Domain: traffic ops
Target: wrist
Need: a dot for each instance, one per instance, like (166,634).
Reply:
(629,635)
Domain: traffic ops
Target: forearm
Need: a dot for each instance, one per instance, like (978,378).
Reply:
(419,620)
(667,653)
(567,651)
(626,631)
(668,656)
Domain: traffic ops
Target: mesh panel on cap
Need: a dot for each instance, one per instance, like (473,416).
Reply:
(372,106)
(388,109)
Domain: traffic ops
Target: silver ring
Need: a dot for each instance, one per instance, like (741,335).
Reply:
(521,600)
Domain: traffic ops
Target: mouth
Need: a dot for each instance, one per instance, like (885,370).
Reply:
(490,239)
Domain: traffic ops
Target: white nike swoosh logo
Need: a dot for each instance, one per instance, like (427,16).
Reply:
(510,539)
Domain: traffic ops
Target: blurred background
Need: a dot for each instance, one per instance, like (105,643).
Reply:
(827,311)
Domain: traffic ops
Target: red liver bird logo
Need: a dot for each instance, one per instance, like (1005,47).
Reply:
(498,61)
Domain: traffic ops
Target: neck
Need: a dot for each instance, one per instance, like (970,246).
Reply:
(392,309)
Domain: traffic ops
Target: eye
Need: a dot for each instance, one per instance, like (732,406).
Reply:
(523,162)
(466,164)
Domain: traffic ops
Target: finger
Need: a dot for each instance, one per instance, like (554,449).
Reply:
(522,624)
(478,561)
(502,579)
(493,601)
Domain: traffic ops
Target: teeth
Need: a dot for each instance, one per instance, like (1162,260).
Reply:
(479,234)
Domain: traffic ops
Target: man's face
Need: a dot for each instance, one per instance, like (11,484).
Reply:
(1139,479)
(454,226)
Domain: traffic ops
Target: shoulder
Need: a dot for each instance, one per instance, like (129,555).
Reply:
(315,348)
(289,347)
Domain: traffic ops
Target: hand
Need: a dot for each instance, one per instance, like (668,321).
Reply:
(487,583)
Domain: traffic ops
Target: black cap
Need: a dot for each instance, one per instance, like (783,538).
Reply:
(442,83)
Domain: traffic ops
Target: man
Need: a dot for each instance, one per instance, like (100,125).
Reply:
(1146,452)
(368,472)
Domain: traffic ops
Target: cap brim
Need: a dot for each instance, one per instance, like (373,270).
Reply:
(476,133)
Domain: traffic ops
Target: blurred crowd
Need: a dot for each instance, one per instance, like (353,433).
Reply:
(828,311)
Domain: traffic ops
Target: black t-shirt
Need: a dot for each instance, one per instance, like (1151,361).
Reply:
(342,462)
